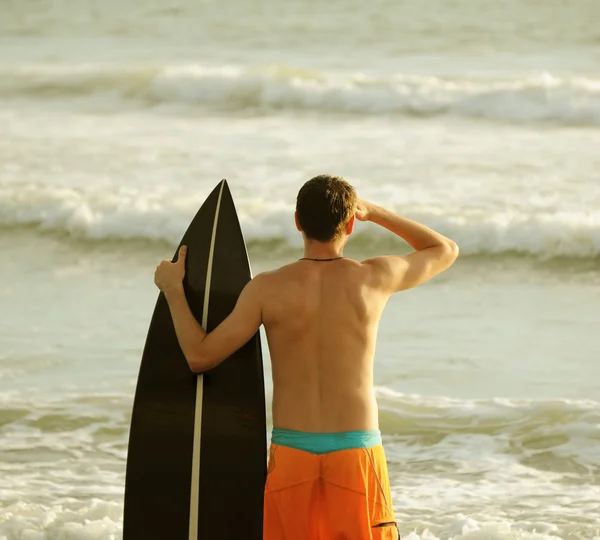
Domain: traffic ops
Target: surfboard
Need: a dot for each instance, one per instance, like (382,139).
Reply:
(196,462)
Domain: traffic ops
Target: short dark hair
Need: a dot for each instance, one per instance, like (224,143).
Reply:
(325,205)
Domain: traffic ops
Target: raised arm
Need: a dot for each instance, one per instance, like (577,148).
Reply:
(433,253)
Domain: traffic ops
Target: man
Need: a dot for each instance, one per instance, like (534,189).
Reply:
(327,470)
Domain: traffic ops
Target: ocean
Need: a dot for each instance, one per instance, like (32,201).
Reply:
(480,119)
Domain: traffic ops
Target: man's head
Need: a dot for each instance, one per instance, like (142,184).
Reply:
(325,208)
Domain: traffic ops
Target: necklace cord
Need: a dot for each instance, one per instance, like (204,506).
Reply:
(320,260)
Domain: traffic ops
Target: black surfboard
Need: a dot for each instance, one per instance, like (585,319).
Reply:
(196,463)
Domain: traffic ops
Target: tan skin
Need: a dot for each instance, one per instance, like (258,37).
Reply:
(321,321)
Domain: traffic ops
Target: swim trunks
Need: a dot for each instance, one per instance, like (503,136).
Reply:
(338,495)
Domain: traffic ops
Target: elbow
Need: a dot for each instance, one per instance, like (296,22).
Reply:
(453,249)
(450,251)
(196,363)
(196,357)
(199,364)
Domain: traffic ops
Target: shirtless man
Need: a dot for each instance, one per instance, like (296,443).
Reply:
(327,470)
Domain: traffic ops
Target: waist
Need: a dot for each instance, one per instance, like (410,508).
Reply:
(324,443)
(336,411)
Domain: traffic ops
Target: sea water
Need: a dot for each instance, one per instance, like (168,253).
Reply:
(481,119)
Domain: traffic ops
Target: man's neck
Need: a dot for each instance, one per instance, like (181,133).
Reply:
(323,250)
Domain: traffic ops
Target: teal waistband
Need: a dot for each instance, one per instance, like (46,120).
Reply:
(324,443)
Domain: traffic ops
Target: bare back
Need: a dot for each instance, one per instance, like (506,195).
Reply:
(321,321)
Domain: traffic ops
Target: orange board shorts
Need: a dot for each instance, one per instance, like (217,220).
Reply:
(342,495)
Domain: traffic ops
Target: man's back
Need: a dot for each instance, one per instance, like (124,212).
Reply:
(321,321)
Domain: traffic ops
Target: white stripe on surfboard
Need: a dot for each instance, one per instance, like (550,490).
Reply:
(195,488)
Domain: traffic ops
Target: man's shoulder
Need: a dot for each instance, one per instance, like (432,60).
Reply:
(275,275)
(280,278)
(270,283)
(295,272)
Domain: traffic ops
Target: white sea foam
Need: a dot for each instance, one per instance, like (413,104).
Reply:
(110,215)
(100,520)
(93,520)
(572,100)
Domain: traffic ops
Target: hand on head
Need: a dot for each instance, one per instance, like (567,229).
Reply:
(363,210)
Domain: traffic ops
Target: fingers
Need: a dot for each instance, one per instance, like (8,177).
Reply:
(168,272)
(182,255)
